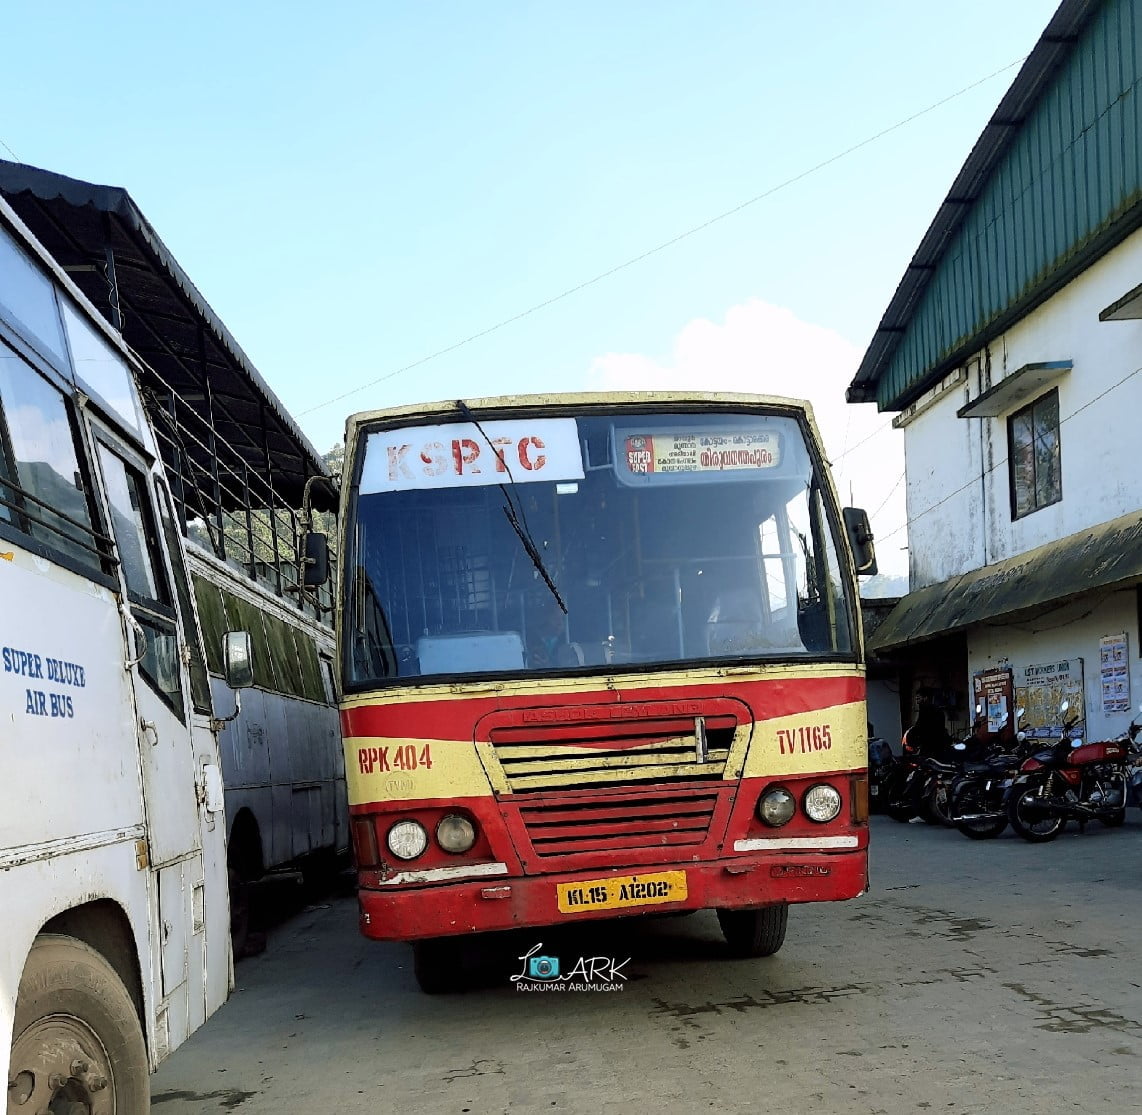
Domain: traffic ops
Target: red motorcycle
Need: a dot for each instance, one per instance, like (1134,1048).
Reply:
(1069,781)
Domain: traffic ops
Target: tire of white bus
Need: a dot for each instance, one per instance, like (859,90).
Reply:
(76,1033)
(758,932)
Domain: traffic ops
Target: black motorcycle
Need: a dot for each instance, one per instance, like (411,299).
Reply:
(881,770)
(977,798)
(929,764)
(916,786)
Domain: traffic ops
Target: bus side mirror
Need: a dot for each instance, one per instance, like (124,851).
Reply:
(860,539)
(238,659)
(315,562)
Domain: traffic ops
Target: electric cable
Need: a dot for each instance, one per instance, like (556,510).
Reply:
(665,244)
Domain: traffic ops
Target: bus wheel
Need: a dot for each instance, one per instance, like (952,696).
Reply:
(78,1045)
(436,965)
(754,932)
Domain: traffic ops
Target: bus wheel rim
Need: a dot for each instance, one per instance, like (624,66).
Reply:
(60,1057)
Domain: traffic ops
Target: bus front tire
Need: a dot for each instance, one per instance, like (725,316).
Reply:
(436,965)
(752,933)
(78,1042)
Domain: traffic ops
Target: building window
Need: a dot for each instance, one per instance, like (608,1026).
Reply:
(1034,453)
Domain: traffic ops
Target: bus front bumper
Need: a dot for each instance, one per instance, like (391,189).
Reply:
(409,912)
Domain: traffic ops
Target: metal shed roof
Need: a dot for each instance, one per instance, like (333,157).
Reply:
(937,319)
(101,238)
(1103,556)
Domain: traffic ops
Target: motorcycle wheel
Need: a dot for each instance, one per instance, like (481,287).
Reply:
(969,800)
(901,813)
(1033,824)
(934,805)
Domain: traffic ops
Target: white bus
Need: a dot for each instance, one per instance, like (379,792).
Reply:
(114,940)
(238,470)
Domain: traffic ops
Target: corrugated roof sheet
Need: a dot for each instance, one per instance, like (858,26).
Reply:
(166,319)
(1053,182)
(1099,557)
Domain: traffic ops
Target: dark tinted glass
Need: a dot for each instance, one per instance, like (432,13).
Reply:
(669,539)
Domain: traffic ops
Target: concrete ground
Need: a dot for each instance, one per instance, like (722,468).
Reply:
(995,976)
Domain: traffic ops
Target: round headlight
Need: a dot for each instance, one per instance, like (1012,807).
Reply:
(776,807)
(822,803)
(455,833)
(407,839)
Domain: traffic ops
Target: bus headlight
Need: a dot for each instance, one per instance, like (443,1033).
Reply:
(776,807)
(455,833)
(822,803)
(407,839)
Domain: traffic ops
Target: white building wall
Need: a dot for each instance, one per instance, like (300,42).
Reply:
(1071,632)
(958,487)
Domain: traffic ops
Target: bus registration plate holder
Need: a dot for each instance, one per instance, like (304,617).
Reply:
(619,891)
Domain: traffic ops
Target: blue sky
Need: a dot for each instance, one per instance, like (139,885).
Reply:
(357,186)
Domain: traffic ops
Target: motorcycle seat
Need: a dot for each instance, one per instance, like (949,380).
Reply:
(990,766)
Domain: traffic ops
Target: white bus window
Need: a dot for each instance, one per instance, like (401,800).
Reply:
(199,679)
(100,368)
(27,297)
(133,523)
(44,494)
(138,549)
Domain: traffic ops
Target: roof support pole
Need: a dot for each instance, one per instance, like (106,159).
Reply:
(212,442)
(273,501)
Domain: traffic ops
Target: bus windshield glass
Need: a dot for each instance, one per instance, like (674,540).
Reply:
(537,544)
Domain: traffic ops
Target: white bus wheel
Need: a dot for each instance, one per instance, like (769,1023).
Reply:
(78,1044)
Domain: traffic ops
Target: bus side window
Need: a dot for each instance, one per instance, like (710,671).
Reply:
(327,679)
(42,493)
(199,679)
(133,523)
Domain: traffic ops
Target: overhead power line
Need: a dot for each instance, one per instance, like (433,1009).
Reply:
(665,244)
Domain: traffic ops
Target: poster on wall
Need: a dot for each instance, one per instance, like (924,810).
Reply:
(1114,673)
(1041,689)
(993,694)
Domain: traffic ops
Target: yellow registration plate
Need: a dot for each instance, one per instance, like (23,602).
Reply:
(619,891)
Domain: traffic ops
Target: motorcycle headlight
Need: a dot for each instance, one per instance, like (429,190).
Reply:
(407,839)
(776,807)
(822,803)
(455,833)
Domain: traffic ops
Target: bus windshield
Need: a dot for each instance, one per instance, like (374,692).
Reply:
(537,544)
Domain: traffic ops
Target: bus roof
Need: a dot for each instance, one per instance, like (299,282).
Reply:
(586,399)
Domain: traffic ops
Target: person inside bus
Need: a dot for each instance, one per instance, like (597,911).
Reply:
(547,644)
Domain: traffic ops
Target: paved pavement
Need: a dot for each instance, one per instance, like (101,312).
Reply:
(995,976)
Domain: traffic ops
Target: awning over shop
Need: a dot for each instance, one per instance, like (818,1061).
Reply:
(1100,557)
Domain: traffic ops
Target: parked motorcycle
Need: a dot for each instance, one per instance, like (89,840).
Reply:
(1069,780)
(917,783)
(881,767)
(977,799)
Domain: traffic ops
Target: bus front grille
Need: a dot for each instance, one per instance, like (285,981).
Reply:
(661,819)
(595,746)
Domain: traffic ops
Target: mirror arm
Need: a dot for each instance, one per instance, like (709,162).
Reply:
(217,723)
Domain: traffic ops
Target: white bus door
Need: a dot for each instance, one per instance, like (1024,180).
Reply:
(172,784)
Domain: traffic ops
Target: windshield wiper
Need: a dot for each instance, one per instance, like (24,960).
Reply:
(517,519)
(532,551)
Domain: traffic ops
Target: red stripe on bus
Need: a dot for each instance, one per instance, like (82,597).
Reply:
(454,718)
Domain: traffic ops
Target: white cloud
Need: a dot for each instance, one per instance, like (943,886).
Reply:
(768,350)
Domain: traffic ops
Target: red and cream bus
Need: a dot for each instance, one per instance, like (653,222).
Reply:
(600,655)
